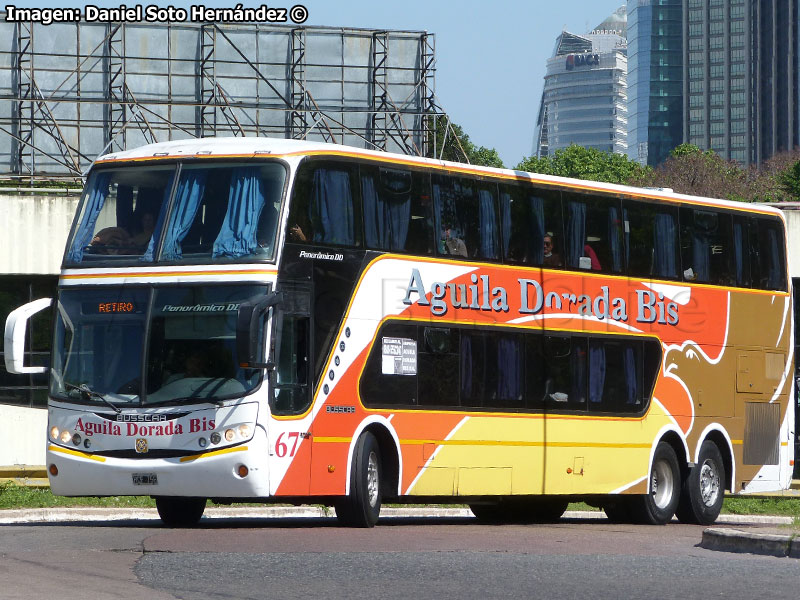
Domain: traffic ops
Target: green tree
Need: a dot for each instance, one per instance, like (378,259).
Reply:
(586,163)
(448,141)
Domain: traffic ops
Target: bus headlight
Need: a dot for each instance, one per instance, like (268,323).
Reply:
(54,431)
(230,435)
(245,431)
(76,439)
(65,436)
(216,438)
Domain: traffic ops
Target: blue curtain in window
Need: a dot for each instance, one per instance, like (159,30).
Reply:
(597,372)
(237,236)
(578,366)
(505,220)
(509,370)
(536,243)
(576,232)
(631,379)
(626,234)
(665,239)
(738,253)
(488,225)
(614,239)
(331,209)
(386,219)
(94,204)
(466,367)
(159,226)
(187,200)
(701,256)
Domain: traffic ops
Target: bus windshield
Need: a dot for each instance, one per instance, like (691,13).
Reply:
(184,336)
(216,211)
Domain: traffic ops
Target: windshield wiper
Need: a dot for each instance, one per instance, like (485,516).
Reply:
(88,393)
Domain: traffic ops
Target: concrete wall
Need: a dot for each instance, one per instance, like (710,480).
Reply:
(36,231)
(24,435)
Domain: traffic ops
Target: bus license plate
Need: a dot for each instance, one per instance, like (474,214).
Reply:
(145,479)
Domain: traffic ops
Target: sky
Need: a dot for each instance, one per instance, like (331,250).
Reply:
(490,56)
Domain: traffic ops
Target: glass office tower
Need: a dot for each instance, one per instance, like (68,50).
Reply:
(655,79)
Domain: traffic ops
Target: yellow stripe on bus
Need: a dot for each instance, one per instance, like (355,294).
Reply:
(76,453)
(346,440)
(214,453)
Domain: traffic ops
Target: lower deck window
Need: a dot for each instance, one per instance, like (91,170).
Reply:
(501,369)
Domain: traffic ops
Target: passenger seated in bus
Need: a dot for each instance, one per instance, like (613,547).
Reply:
(111,240)
(452,245)
(147,226)
(551,257)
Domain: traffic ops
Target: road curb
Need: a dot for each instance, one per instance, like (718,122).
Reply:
(734,540)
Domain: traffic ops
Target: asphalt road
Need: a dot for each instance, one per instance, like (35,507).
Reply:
(401,558)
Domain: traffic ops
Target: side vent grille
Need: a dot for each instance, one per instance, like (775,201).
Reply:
(761,430)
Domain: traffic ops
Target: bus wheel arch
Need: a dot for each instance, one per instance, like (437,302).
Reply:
(373,474)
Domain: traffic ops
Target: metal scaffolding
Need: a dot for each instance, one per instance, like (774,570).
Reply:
(78,90)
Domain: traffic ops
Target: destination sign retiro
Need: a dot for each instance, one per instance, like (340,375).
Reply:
(481,295)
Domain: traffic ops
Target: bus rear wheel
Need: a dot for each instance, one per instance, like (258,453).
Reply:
(362,506)
(180,512)
(704,488)
(664,486)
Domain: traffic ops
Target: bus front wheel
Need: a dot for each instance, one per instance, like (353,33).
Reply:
(180,512)
(664,486)
(704,488)
(361,507)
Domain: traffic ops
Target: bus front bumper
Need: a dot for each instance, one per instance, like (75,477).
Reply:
(212,474)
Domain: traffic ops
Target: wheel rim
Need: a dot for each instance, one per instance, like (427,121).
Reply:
(372,479)
(661,484)
(709,483)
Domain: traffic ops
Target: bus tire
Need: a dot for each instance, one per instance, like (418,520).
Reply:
(180,512)
(704,488)
(664,487)
(362,506)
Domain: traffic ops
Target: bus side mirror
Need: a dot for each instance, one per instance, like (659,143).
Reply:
(15,334)
(249,322)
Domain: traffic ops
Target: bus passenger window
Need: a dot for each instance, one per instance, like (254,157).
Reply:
(614,376)
(465,214)
(118,213)
(771,262)
(707,251)
(438,367)
(651,240)
(325,205)
(593,229)
(531,226)
(565,373)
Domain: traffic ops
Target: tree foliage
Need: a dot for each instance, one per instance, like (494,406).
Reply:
(448,141)
(586,163)
(690,170)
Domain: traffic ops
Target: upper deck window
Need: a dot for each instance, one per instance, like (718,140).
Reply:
(118,213)
(217,212)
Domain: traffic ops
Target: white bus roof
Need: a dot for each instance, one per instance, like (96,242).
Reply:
(248,147)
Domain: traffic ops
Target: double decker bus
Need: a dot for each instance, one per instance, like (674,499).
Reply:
(284,321)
